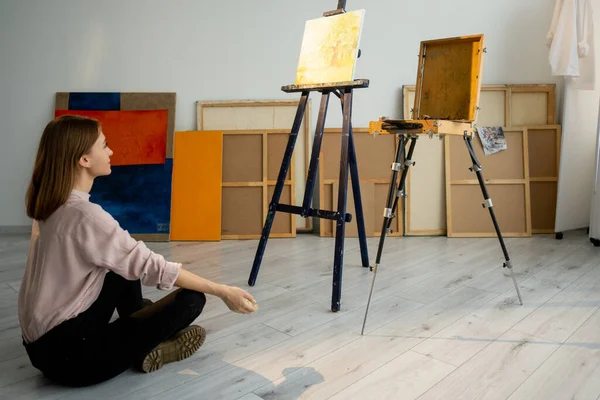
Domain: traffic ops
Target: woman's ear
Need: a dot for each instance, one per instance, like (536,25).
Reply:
(84,161)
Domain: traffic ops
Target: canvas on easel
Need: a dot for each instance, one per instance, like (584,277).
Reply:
(326,65)
(330,49)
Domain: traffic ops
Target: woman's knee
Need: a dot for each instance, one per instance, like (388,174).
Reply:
(192,299)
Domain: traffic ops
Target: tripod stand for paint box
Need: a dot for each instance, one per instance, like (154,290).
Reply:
(444,59)
(343,90)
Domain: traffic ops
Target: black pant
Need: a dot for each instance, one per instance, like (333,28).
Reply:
(89,349)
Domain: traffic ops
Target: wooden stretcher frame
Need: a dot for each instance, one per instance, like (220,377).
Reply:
(202,105)
(490,183)
(549,90)
(265,183)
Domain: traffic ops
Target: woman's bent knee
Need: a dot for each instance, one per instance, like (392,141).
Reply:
(192,299)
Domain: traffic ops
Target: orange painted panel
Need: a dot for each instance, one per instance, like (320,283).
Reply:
(196,198)
(136,137)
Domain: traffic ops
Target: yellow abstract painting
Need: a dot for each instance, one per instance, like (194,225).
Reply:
(329,49)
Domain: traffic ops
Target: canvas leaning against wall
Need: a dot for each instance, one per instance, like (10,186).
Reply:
(139,128)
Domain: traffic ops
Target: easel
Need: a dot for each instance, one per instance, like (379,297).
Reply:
(343,90)
(425,125)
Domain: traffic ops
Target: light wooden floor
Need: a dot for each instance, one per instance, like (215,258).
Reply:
(444,323)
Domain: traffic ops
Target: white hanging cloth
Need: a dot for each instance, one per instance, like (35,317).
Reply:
(571,42)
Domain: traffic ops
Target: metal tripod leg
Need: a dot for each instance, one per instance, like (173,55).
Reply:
(400,163)
(488,204)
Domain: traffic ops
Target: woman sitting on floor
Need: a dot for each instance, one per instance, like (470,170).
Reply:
(82,266)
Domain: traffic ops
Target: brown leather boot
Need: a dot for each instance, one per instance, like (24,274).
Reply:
(181,346)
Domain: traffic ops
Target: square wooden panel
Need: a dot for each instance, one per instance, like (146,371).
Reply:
(543,206)
(242,216)
(529,109)
(243,158)
(467,217)
(492,107)
(374,156)
(501,165)
(532,105)
(544,149)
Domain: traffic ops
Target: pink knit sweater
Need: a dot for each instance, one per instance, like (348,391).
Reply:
(69,255)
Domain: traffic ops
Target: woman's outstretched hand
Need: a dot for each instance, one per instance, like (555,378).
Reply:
(238,300)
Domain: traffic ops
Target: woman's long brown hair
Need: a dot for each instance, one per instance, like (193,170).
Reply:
(64,141)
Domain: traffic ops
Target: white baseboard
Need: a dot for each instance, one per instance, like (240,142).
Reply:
(15,229)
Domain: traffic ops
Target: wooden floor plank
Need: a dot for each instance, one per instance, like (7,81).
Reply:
(410,374)
(495,372)
(562,315)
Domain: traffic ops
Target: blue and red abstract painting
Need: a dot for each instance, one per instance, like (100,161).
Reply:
(139,128)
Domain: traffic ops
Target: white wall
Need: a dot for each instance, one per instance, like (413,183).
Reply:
(578,157)
(209,50)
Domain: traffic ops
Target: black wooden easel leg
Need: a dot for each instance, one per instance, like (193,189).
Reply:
(285,164)
(488,204)
(358,207)
(342,193)
(311,178)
